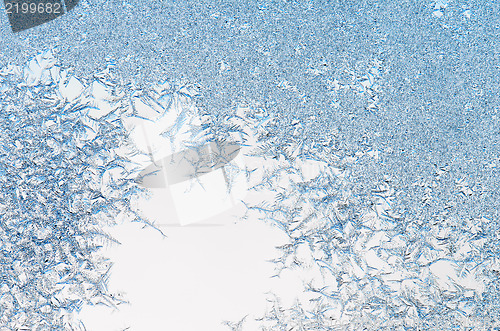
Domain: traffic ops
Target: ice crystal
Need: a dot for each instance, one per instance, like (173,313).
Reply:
(385,252)
(62,178)
(375,267)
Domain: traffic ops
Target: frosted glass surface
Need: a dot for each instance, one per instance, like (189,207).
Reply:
(261,165)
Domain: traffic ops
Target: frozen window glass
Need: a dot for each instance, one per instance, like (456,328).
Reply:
(249,165)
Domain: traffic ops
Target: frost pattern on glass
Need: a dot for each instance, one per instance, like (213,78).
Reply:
(68,167)
(62,178)
(369,265)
